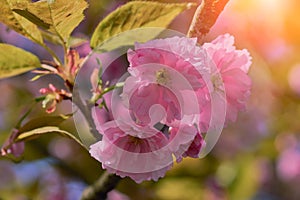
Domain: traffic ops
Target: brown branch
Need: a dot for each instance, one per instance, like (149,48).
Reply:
(99,190)
(106,182)
(205,17)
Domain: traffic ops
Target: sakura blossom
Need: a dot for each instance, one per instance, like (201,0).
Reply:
(233,65)
(133,151)
(169,102)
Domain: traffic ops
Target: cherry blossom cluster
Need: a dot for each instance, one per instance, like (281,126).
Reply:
(168,102)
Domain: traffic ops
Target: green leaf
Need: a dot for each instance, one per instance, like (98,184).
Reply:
(128,38)
(73,41)
(50,37)
(29,135)
(76,41)
(137,14)
(17,22)
(14,61)
(31,17)
(44,121)
(59,16)
(32,129)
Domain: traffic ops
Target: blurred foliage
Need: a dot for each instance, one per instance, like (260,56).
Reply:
(256,158)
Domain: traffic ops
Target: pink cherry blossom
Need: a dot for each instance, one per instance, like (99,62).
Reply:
(233,65)
(180,54)
(185,141)
(195,147)
(172,68)
(181,86)
(102,115)
(192,62)
(148,95)
(133,151)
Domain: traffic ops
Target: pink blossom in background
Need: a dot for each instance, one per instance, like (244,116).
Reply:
(167,104)
(293,78)
(116,195)
(288,165)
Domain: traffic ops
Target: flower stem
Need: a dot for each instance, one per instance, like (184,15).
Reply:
(99,190)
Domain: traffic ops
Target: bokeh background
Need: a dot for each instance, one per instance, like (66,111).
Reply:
(256,158)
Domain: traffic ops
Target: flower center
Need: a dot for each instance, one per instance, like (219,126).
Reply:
(162,77)
(135,140)
(217,82)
